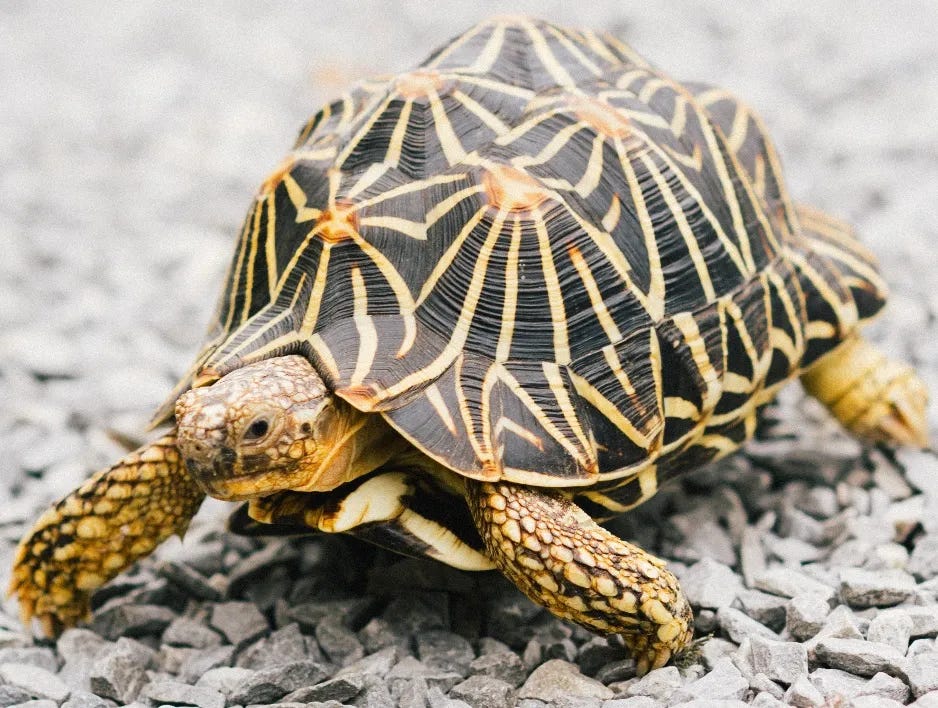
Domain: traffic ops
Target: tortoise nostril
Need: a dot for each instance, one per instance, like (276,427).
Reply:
(306,428)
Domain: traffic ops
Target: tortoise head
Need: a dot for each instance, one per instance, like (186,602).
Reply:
(268,427)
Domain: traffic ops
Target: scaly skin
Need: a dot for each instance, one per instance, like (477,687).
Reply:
(116,517)
(563,560)
(876,398)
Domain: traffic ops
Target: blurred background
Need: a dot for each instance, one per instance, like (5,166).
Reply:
(133,135)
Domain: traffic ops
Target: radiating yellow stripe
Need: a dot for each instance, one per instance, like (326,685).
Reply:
(453,150)
(414,229)
(596,297)
(435,398)
(558,315)
(396,143)
(547,58)
(594,168)
(496,124)
(365,325)
(593,396)
(510,303)
(586,449)
(489,54)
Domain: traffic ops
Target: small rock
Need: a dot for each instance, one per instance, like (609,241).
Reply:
(858,657)
(504,665)
(724,683)
(132,620)
(923,563)
(616,671)
(738,626)
(83,699)
(882,588)
(12,695)
(835,682)
(921,673)
(557,678)
(187,632)
(411,693)
(874,702)
(376,695)
(224,679)
(410,668)
(239,622)
(658,684)
(803,694)
(892,627)
(920,646)
(37,656)
(709,583)
(762,683)
(596,653)
(484,692)
(377,664)
(38,703)
(764,608)
(272,684)
(924,620)
(885,686)
(205,660)
(338,642)
(337,689)
(805,614)
(175,693)
(191,581)
(284,646)
(445,650)
(36,681)
(788,582)
(376,635)
(120,672)
(79,649)
(780,661)
(437,699)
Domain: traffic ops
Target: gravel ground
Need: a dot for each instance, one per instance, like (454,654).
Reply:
(133,136)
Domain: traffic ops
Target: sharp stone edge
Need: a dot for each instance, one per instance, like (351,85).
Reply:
(811,563)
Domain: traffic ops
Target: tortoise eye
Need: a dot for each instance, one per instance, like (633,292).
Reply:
(257,429)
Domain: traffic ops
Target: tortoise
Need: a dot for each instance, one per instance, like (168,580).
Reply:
(481,307)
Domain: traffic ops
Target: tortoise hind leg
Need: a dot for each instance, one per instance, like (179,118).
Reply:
(116,517)
(876,398)
(562,559)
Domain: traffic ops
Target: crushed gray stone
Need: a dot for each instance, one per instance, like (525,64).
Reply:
(556,678)
(866,588)
(273,684)
(120,672)
(484,692)
(35,680)
(709,583)
(337,689)
(239,622)
(780,661)
(723,683)
(658,684)
(505,665)
(921,673)
(174,693)
(892,627)
(738,626)
(805,614)
(859,657)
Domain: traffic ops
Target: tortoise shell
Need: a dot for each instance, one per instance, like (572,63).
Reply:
(541,259)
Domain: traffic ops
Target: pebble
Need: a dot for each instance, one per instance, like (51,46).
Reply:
(120,672)
(410,668)
(35,680)
(802,693)
(485,692)
(780,661)
(866,588)
(763,608)
(272,684)
(658,684)
(239,622)
(858,657)
(132,620)
(83,699)
(188,632)
(892,627)
(738,626)
(921,673)
(79,649)
(37,656)
(723,683)
(224,679)
(188,579)
(788,582)
(445,650)
(283,646)
(923,563)
(709,583)
(504,665)
(175,693)
(805,614)
(12,695)
(556,678)
(341,688)
(338,642)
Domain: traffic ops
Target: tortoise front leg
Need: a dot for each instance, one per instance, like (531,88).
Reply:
(117,516)
(562,559)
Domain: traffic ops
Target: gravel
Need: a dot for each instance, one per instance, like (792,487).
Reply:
(134,136)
